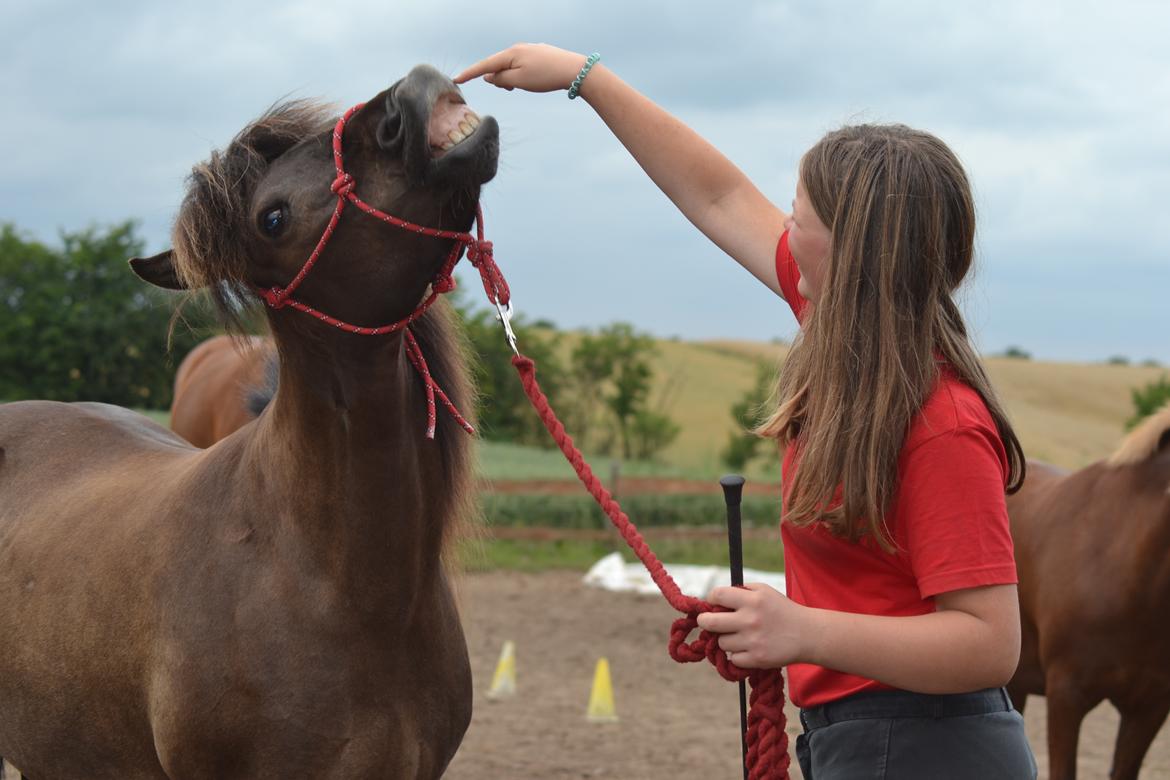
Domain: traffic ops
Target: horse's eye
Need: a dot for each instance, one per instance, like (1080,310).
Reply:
(272,222)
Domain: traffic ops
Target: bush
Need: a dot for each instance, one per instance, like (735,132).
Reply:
(1017,353)
(76,324)
(505,413)
(1149,399)
(749,412)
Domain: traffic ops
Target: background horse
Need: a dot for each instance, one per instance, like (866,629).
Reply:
(222,385)
(274,605)
(1093,552)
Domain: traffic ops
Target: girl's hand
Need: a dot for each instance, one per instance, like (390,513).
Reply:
(535,67)
(766,629)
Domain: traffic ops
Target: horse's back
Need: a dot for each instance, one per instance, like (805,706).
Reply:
(76,435)
(212,385)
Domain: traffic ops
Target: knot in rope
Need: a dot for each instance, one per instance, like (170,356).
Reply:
(706,646)
(479,254)
(342,185)
(273,297)
(767,741)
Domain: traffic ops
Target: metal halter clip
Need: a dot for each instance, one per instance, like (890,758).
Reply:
(504,315)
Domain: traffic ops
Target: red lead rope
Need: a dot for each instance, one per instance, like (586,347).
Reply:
(767,757)
(767,741)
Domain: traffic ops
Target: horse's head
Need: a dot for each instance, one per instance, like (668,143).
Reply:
(254,213)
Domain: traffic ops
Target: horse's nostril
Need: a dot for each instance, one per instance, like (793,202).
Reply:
(391,136)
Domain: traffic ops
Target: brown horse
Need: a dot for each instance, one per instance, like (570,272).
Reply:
(274,605)
(221,386)
(1093,551)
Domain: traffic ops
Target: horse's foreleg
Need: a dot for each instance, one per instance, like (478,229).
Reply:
(1067,706)
(1139,726)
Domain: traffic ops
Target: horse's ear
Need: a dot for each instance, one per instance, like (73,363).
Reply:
(158,269)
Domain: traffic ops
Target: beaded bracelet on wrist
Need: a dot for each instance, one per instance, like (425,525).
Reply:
(575,87)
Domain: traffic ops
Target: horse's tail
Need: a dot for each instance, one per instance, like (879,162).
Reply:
(257,397)
(1145,441)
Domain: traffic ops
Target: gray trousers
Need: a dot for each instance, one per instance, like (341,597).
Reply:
(898,735)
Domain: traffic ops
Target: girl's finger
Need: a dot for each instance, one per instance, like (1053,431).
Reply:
(501,60)
(504,79)
(717,622)
(732,643)
(744,660)
(732,598)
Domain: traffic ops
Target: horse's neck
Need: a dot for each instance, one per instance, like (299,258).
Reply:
(346,463)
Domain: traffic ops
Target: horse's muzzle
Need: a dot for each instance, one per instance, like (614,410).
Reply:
(441,141)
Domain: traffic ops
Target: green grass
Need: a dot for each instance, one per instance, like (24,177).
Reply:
(533,556)
(578,510)
(514,462)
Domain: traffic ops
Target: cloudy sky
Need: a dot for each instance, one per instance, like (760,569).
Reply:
(1059,109)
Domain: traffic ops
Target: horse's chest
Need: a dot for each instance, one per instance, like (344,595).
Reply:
(303,675)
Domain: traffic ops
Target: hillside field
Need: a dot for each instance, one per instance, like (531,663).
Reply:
(1069,414)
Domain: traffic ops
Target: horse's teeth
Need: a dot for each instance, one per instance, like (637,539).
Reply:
(447,145)
(455,136)
(465,128)
(471,119)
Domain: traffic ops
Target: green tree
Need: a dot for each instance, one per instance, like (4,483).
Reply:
(611,372)
(651,432)
(505,413)
(748,412)
(1149,399)
(1017,353)
(76,324)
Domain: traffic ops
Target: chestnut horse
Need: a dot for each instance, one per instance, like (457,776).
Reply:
(275,605)
(222,385)
(1093,551)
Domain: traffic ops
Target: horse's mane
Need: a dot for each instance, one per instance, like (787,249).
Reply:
(447,352)
(210,251)
(1145,441)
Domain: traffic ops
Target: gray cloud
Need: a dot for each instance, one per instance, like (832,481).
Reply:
(1060,111)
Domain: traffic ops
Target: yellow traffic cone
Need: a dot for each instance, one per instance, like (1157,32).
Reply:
(601,709)
(504,680)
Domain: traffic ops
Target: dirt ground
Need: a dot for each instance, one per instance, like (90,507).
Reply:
(676,720)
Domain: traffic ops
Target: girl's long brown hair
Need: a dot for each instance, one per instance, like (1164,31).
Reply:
(899,208)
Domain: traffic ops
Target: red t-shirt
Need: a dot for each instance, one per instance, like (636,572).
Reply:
(948,520)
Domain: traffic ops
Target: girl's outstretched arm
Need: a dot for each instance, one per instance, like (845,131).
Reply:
(706,187)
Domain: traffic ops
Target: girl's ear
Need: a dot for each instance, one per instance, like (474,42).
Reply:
(158,270)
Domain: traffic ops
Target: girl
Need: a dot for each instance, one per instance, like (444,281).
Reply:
(901,623)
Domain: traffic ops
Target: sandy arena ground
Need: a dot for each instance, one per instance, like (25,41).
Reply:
(677,721)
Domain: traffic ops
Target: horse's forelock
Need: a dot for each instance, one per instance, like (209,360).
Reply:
(209,249)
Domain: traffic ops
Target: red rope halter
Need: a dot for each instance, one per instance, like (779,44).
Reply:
(479,252)
(767,757)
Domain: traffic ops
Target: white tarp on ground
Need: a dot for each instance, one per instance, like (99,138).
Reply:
(613,573)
